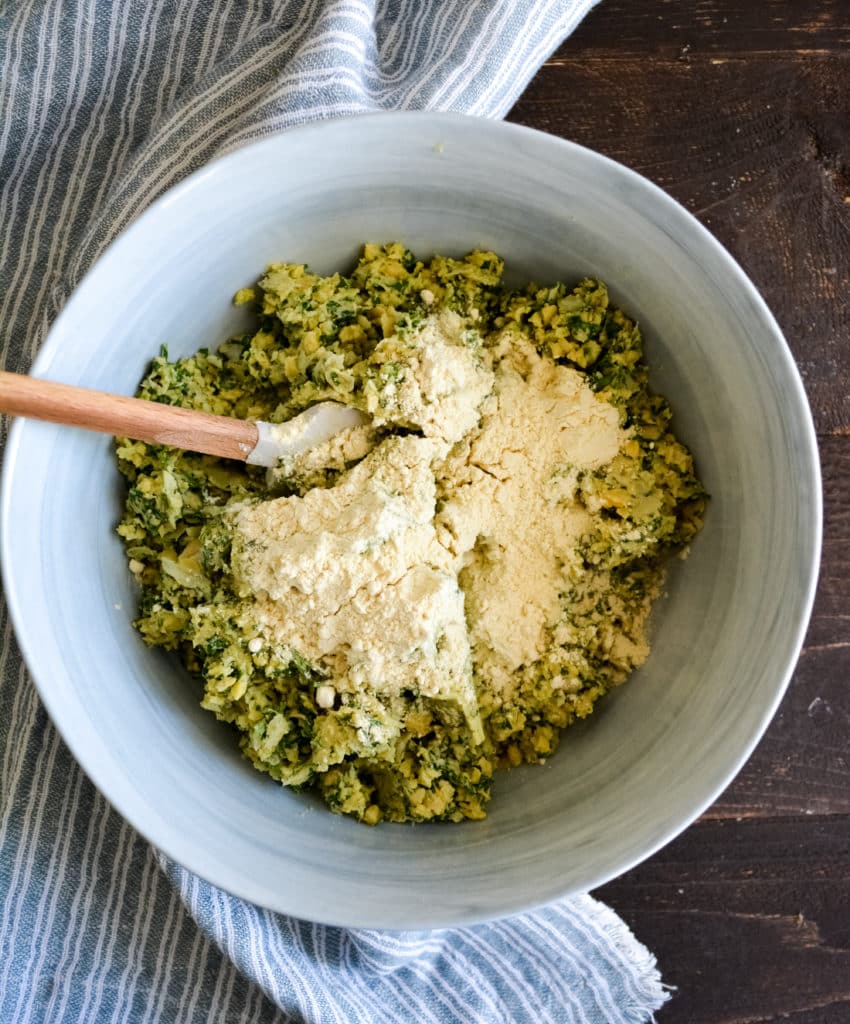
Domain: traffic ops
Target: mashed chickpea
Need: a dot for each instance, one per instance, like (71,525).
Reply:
(390,620)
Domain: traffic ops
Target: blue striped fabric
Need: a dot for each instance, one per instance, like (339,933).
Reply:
(105,104)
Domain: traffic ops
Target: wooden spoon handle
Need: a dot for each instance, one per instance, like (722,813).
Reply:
(136,418)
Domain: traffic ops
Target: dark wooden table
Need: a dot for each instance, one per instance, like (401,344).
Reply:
(741,110)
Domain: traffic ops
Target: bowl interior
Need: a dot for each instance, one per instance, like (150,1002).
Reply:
(725,638)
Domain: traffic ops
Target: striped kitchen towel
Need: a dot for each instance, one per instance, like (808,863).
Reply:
(106,103)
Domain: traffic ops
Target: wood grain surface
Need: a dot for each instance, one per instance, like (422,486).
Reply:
(741,111)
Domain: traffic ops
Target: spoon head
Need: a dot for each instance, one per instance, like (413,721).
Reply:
(312,427)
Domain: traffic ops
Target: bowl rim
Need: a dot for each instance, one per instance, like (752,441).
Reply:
(244,887)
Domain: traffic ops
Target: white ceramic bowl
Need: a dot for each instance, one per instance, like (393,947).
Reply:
(656,753)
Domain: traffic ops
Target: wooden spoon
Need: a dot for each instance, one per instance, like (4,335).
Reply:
(253,441)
